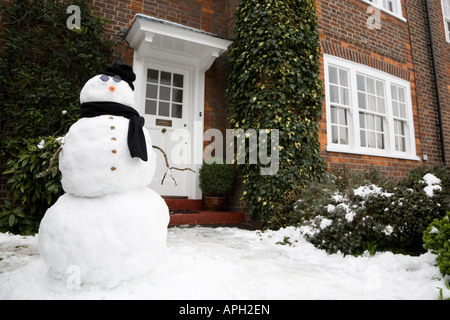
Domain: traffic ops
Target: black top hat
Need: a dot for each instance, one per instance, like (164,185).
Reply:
(125,72)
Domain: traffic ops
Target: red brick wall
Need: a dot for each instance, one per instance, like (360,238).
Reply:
(426,93)
(344,33)
(206,15)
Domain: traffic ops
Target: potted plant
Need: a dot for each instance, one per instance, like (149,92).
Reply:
(216,180)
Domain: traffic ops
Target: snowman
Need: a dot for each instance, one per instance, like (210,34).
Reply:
(108,225)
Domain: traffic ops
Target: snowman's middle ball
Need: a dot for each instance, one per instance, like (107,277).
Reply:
(96,160)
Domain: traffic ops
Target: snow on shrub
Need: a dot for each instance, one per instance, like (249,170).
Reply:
(350,217)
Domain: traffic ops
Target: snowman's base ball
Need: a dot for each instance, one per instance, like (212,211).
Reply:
(108,239)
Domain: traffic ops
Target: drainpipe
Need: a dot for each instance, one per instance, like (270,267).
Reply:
(436,81)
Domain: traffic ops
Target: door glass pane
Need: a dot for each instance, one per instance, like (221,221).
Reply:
(177,95)
(152,91)
(164,109)
(164,93)
(177,111)
(166,78)
(150,107)
(178,80)
(152,76)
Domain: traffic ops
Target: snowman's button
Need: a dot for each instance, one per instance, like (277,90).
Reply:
(113,168)
(114,152)
(112,118)
(113,128)
(113,139)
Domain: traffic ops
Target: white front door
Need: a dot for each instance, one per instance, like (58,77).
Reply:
(167,117)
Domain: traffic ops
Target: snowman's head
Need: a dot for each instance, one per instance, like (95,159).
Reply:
(112,85)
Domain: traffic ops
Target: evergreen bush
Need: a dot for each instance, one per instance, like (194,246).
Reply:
(43,66)
(274,83)
(437,239)
(355,212)
(216,180)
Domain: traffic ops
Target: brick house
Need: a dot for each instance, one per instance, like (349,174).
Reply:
(385,67)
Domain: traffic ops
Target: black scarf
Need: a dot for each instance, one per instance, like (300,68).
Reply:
(136,138)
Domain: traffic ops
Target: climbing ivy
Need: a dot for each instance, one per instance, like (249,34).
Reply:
(274,83)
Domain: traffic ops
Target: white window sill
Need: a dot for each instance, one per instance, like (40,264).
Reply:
(400,17)
(368,152)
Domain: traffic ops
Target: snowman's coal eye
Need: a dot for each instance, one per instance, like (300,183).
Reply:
(104,78)
(117,79)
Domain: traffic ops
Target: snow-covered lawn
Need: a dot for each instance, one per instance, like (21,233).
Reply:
(231,263)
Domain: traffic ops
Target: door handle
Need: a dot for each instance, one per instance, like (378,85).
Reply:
(164,130)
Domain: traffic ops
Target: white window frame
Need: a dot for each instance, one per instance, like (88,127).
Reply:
(446,14)
(390,129)
(386,5)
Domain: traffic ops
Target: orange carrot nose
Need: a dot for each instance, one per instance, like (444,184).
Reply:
(112,88)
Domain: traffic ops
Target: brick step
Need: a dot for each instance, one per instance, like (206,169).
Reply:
(184,204)
(207,217)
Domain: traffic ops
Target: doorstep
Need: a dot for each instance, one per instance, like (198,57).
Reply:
(207,217)
(190,212)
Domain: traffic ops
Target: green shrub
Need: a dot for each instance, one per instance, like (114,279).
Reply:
(274,83)
(216,180)
(351,218)
(32,195)
(43,66)
(437,239)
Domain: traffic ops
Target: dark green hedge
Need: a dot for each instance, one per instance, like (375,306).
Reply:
(43,66)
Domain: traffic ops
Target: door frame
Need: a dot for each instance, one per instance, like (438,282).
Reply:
(195,83)
(168,43)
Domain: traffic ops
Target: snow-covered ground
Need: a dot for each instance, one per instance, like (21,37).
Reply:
(230,263)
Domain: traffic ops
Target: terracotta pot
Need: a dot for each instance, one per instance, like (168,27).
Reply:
(214,203)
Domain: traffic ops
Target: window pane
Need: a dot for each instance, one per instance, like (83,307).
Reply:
(394,93)
(379,124)
(343,117)
(362,121)
(401,95)
(164,93)
(334,134)
(343,135)
(380,88)
(150,107)
(164,109)
(380,141)
(343,77)
(345,99)
(372,103)
(370,121)
(371,85)
(363,138)
(334,118)
(152,91)
(381,105)
(177,95)
(333,74)
(334,94)
(371,139)
(402,108)
(152,76)
(177,111)
(362,101)
(361,81)
(178,80)
(166,78)
(395,109)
